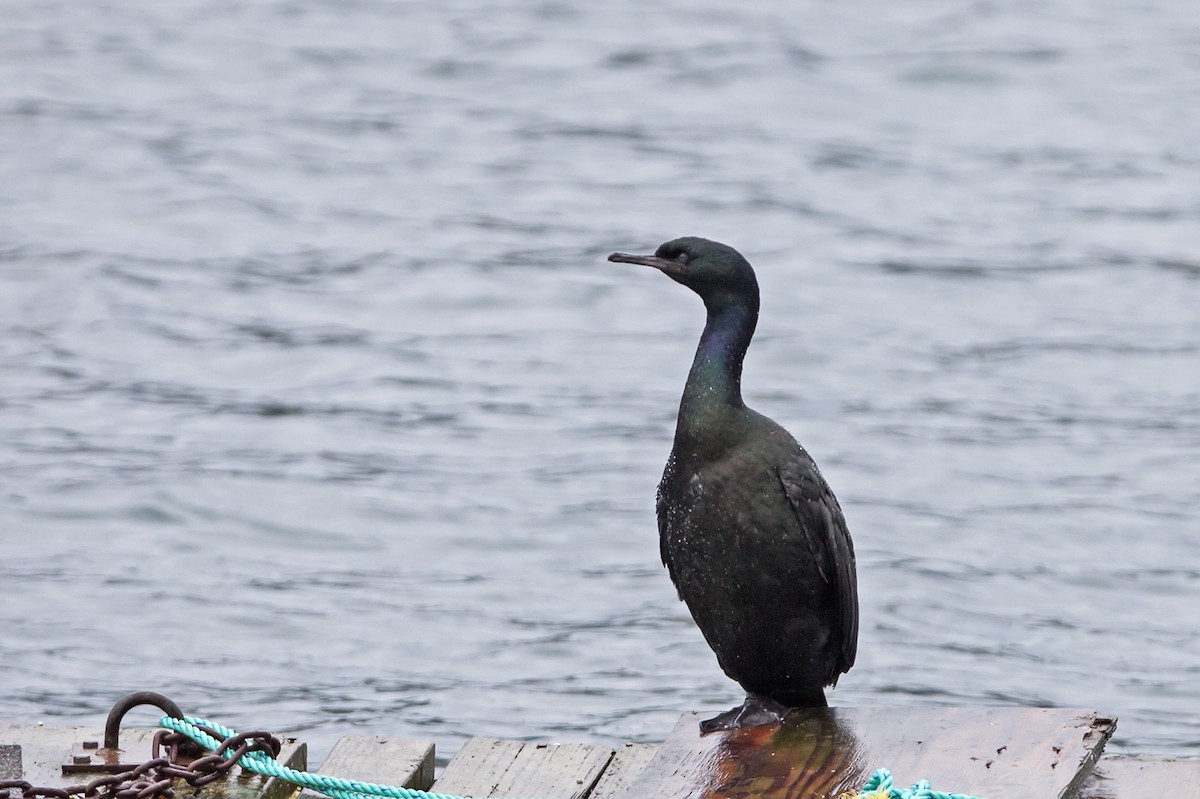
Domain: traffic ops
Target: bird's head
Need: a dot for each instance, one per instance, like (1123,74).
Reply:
(714,271)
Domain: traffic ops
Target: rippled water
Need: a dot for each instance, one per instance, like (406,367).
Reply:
(320,409)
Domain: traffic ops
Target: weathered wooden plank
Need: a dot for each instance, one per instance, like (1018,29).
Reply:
(45,749)
(243,784)
(10,761)
(1143,778)
(627,764)
(488,767)
(386,761)
(999,753)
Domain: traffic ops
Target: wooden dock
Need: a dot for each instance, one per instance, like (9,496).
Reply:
(997,753)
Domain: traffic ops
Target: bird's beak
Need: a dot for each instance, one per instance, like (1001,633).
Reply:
(663,264)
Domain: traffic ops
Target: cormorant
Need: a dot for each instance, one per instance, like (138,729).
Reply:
(749,530)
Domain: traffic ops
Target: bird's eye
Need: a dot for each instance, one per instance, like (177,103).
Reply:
(682,258)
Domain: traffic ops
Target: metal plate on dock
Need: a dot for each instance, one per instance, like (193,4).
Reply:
(88,757)
(45,750)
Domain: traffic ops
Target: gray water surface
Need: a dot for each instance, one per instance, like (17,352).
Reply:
(321,410)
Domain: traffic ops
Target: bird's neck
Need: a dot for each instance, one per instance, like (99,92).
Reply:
(713,392)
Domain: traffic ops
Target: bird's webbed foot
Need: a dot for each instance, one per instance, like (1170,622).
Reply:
(756,711)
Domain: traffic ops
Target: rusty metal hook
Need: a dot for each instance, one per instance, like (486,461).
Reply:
(112,727)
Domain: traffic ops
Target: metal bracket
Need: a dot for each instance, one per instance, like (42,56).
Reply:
(91,757)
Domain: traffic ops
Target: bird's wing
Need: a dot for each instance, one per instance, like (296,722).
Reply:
(662,506)
(821,518)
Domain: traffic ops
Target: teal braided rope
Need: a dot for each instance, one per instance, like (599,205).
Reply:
(262,763)
(880,786)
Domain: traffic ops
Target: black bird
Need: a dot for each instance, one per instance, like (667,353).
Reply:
(749,530)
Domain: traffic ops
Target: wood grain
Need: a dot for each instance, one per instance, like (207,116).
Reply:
(488,767)
(1143,778)
(998,753)
(386,761)
(627,764)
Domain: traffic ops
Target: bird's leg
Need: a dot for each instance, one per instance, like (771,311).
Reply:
(756,711)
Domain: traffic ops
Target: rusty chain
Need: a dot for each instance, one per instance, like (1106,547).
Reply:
(172,756)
